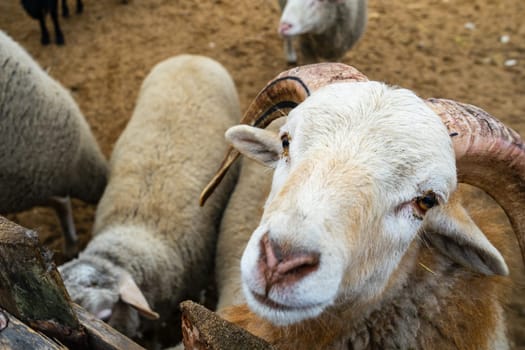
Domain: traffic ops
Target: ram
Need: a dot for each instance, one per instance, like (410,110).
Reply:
(48,151)
(153,245)
(363,242)
(326,29)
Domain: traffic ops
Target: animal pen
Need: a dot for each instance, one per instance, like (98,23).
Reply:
(36,311)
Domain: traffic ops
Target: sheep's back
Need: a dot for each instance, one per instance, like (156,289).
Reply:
(169,149)
(241,217)
(40,129)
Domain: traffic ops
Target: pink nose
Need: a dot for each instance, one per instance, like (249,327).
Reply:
(284,27)
(281,265)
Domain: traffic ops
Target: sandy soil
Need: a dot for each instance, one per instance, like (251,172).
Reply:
(439,48)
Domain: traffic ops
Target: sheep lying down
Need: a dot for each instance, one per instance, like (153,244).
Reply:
(363,242)
(153,245)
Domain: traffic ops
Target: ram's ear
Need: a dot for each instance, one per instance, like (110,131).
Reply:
(130,294)
(260,145)
(451,230)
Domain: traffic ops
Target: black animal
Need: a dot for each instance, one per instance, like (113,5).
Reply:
(38,9)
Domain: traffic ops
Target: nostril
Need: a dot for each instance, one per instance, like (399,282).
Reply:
(280,264)
(284,27)
(270,252)
(299,264)
(104,314)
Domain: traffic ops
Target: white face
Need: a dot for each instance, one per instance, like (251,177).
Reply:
(306,16)
(360,165)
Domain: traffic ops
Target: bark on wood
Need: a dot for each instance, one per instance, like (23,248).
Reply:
(16,335)
(31,288)
(202,329)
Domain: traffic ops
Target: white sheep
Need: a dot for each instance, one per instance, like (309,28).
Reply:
(327,29)
(48,151)
(153,245)
(363,243)
(241,216)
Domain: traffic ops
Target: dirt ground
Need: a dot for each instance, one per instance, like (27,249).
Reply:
(469,50)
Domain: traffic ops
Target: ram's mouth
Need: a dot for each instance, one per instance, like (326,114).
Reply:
(264,300)
(269,302)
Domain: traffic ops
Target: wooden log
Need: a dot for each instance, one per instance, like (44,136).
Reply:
(203,329)
(31,288)
(101,336)
(15,335)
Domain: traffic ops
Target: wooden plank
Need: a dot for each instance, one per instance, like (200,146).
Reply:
(15,335)
(31,288)
(203,329)
(101,336)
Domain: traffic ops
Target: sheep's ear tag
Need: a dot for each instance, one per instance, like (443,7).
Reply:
(130,294)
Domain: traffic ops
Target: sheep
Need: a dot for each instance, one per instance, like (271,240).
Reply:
(48,151)
(153,245)
(38,9)
(241,216)
(363,242)
(327,29)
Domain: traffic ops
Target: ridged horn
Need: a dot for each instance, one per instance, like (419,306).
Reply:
(279,97)
(490,156)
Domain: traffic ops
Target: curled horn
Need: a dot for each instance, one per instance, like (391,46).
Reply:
(490,156)
(279,97)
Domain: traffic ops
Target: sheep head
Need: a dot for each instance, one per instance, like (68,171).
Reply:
(107,291)
(360,170)
(307,16)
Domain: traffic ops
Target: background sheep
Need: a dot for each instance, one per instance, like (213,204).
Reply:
(241,217)
(363,242)
(38,9)
(150,231)
(48,150)
(327,29)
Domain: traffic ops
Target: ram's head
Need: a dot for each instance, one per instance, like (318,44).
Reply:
(361,170)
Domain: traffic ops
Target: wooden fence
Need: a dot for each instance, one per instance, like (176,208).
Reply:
(37,313)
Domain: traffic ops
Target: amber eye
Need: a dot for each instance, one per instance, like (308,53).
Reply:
(427,201)
(286,143)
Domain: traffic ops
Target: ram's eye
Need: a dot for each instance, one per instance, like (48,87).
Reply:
(426,201)
(285,139)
